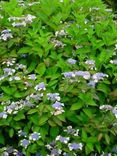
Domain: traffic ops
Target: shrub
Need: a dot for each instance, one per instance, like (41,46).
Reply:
(58,78)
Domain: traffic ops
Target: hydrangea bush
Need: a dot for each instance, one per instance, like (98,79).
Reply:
(58,78)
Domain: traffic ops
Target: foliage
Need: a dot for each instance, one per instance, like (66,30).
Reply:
(58,78)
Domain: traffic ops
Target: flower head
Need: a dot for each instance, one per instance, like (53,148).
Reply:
(40,86)
(34,136)
(75,146)
(68,74)
(71,61)
(53,96)
(99,76)
(58,105)
(24,143)
(62,139)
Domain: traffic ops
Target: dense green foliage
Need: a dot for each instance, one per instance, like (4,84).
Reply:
(112,4)
(65,47)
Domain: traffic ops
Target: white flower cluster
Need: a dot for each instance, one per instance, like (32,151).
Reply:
(58,106)
(36,96)
(71,61)
(113,61)
(71,131)
(57,43)
(60,33)
(53,96)
(109,107)
(14,107)
(21,21)
(5,35)
(33,3)
(75,146)
(40,86)
(9,62)
(99,76)
(32,137)
(9,71)
(84,74)
(91,64)
(62,139)
(17,78)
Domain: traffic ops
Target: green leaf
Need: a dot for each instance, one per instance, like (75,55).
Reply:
(8,90)
(76,106)
(44,131)
(88,112)
(107,138)
(2,139)
(24,50)
(43,119)
(35,118)
(41,68)
(89,148)
(32,111)
(54,131)
(11,132)
(19,116)
(84,135)
(32,66)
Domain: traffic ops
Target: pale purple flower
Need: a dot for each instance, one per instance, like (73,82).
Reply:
(71,61)
(90,63)
(75,146)
(114,149)
(29,18)
(62,139)
(56,152)
(32,77)
(24,143)
(68,74)
(99,76)
(60,33)
(58,105)
(6,36)
(106,107)
(71,131)
(92,83)
(113,61)
(53,96)
(3,115)
(34,136)
(35,96)
(40,86)
(19,24)
(6,31)
(22,133)
(115,112)
(9,71)
(84,74)
(28,103)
